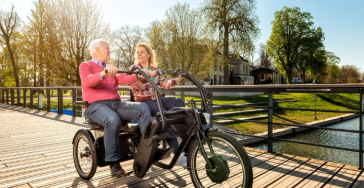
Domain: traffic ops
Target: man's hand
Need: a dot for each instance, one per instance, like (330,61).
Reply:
(111,71)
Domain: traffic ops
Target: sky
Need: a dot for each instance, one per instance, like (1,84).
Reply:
(342,21)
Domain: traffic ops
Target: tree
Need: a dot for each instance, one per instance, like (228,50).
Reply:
(349,74)
(179,41)
(9,22)
(42,17)
(126,39)
(251,56)
(311,55)
(292,33)
(332,69)
(264,58)
(80,22)
(234,22)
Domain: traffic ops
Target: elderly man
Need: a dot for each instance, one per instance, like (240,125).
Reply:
(104,104)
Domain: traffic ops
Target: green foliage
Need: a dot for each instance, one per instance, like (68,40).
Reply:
(295,43)
(332,69)
(179,41)
(234,25)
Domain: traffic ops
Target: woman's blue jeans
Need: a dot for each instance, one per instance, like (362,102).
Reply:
(109,113)
(167,104)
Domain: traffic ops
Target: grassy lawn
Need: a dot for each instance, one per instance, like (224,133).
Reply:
(348,102)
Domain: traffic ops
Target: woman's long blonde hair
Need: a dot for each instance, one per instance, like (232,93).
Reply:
(150,52)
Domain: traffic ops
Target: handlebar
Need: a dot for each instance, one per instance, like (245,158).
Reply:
(158,72)
(135,69)
(182,73)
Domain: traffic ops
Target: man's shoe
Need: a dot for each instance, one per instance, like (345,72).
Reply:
(162,152)
(116,169)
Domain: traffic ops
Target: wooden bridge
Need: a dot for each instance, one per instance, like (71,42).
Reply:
(36,151)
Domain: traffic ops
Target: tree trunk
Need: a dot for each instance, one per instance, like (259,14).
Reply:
(13,63)
(226,56)
(35,71)
(303,77)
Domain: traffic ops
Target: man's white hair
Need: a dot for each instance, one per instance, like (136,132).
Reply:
(94,44)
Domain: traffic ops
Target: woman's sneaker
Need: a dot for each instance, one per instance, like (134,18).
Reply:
(182,160)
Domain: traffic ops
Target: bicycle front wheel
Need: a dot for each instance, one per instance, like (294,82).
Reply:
(231,164)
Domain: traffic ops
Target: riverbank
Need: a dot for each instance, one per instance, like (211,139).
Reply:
(244,140)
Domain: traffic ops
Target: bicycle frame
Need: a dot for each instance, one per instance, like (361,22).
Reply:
(198,130)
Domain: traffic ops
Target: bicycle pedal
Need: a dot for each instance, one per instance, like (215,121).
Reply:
(166,156)
(124,175)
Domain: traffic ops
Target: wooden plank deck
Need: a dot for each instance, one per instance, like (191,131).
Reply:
(36,151)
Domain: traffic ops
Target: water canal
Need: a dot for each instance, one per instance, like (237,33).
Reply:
(324,137)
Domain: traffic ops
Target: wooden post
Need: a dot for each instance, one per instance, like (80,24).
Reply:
(48,100)
(270,121)
(60,101)
(12,96)
(361,130)
(24,98)
(31,99)
(73,102)
(18,96)
(7,96)
(2,95)
(211,110)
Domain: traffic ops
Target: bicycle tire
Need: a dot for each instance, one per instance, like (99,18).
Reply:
(231,172)
(84,156)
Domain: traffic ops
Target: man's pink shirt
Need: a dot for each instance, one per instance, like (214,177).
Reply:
(96,89)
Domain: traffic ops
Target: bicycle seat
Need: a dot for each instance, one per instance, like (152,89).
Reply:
(125,126)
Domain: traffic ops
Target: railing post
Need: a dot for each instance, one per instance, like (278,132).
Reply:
(18,96)
(73,102)
(361,130)
(31,99)
(270,121)
(2,96)
(38,99)
(12,96)
(211,110)
(24,98)
(48,92)
(7,96)
(60,101)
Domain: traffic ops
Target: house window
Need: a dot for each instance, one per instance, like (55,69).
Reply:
(220,68)
(262,76)
(215,80)
(220,79)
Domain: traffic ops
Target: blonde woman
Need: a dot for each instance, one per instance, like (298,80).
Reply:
(144,92)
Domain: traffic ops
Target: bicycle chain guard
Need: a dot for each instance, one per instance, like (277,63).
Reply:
(146,148)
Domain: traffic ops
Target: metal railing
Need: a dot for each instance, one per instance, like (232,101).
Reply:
(269,89)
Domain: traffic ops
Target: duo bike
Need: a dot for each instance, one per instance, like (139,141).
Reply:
(214,159)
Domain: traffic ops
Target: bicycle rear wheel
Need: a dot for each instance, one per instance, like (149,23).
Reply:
(231,163)
(83,156)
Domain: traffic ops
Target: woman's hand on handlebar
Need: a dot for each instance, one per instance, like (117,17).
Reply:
(146,72)
(179,79)
(152,73)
